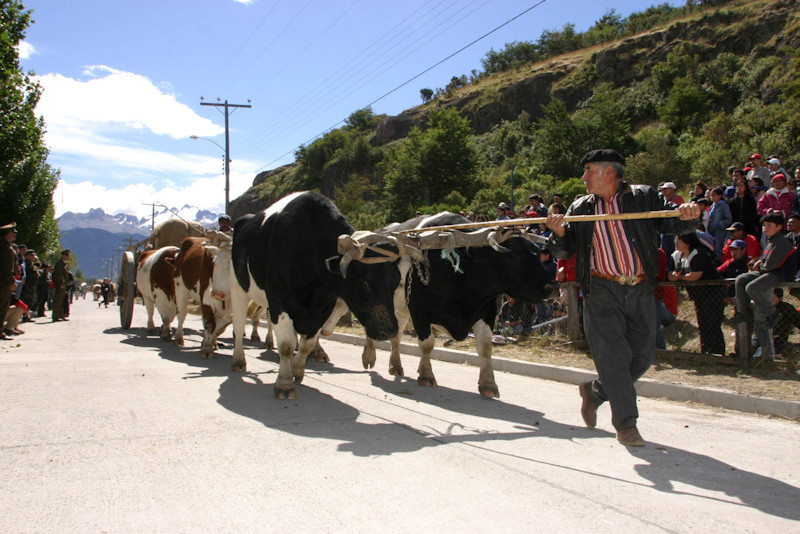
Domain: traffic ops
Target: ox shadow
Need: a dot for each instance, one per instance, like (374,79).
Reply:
(669,468)
(319,415)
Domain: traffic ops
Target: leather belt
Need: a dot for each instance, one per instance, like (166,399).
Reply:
(631,280)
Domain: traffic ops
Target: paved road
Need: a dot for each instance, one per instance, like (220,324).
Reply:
(106,430)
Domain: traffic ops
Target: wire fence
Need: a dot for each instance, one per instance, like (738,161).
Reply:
(702,325)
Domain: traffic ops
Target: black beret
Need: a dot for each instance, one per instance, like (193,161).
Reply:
(603,154)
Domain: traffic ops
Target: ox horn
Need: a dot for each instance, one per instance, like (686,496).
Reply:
(492,239)
(350,249)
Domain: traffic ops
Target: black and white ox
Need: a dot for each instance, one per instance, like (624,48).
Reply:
(459,294)
(298,259)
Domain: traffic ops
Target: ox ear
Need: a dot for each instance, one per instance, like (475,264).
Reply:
(332,264)
(170,261)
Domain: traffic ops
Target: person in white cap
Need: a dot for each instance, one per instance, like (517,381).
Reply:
(668,190)
(775,167)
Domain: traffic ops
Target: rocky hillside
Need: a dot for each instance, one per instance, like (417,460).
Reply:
(747,29)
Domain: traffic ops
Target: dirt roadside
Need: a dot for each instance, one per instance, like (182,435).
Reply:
(771,380)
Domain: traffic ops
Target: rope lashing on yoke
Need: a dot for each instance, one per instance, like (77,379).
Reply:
(355,246)
(449,254)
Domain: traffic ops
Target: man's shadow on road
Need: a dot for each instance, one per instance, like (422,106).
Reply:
(667,465)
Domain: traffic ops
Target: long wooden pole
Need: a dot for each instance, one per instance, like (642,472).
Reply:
(662,214)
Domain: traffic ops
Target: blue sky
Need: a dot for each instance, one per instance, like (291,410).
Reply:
(123,81)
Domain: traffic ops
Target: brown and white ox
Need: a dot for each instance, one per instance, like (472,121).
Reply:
(155,281)
(202,272)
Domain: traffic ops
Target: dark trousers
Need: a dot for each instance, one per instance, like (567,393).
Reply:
(58,303)
(710,309)
(620,326)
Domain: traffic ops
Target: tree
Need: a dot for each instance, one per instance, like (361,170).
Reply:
(27,182)
(429,165)
(426,94)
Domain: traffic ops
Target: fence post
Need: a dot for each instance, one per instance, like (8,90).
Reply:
(574,322)
(743,344)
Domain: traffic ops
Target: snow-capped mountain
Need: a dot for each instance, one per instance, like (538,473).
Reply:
(97,238)
(123,223)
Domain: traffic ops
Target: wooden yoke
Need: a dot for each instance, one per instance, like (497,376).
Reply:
(662,214)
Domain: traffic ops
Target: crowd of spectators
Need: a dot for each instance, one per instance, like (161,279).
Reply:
(28,286)
(730,243)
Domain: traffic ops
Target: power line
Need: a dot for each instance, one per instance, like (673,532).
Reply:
(375,73)
(410,80)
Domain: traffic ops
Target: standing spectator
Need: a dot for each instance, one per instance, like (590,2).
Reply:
(502,215)
(668,189)
(719,220)
(614,258)
(777,264)
(22,250)
(744,208)
(699,191)
(536,208)
(793,227)
(775,167)
(31,280)
(43,290)
(60,279)
(777,198)
(758,170)
(8,270)
(692,263)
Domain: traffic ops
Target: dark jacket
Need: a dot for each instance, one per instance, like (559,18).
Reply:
(643,233)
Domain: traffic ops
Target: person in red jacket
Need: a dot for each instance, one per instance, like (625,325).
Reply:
(752,246)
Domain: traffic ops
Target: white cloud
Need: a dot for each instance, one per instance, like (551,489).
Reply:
(115,98)
(113,136)
(25,50)
(207,192)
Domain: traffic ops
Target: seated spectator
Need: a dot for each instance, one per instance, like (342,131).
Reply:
(777,264)
(788,319)
(13,317)
(693,262)
(502,212)
(793,227)
(514,317)
(738,232)
(666,301)
(778,198)
(738,261)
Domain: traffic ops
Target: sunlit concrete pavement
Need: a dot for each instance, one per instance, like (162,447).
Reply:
(106,430)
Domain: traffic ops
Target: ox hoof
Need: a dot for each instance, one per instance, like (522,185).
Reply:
(321,358)
(240,367)
(396,371)
(178,342)
(255,337)
(490,392)
(427,381)
(207,354)
(284,393)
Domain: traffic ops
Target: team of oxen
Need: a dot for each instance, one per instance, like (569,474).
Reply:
(305,264)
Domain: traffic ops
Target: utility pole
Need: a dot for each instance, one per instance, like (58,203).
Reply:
(227,107)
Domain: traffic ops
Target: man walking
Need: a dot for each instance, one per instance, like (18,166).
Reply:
(614,259)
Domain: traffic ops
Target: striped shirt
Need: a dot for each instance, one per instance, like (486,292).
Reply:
(612,251)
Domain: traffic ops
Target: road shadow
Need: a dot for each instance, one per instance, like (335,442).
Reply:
(667,466)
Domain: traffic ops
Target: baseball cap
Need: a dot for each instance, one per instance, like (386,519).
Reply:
(666,185)
(737,243)
(774,161)
(735,226)
(755,156)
